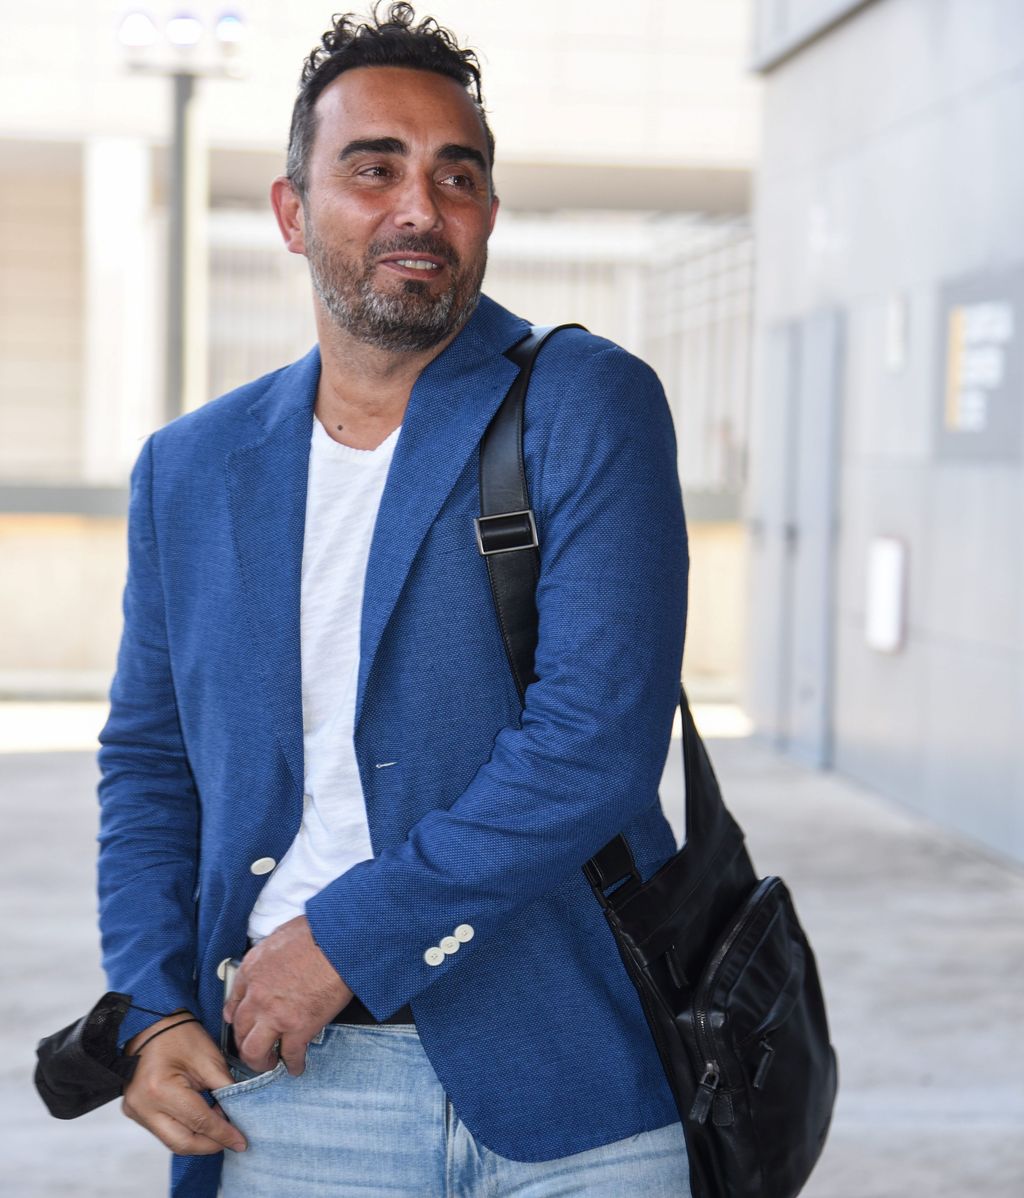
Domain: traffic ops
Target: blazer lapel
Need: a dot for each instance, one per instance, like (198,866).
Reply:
(449,409)
(267,479)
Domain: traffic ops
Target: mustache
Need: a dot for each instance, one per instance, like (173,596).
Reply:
(414,243)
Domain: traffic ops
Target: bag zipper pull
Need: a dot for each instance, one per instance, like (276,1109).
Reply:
(705,1093)
(765,1062)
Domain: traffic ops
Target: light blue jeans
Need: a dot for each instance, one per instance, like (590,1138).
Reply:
(369,1119)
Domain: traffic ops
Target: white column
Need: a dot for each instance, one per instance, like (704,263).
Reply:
(123,348)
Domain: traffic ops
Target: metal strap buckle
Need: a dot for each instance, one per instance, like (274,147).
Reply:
(506,532)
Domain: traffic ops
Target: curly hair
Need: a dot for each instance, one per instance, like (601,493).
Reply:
(395,41)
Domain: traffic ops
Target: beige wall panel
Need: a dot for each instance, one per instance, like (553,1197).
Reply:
(73,568)
(40,327)
(716,617)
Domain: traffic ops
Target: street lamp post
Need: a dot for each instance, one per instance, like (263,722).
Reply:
(180,250)
(176,55)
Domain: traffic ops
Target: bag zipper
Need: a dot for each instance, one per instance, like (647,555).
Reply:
(767,1056)
(712,1076)
(705,1095)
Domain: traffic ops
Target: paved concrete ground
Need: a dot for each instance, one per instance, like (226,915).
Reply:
(920,940)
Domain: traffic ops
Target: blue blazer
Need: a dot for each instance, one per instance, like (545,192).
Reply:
(488,813)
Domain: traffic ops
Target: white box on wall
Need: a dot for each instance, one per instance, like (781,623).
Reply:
(885,606)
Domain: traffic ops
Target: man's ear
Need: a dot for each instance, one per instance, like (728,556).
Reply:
(287,206)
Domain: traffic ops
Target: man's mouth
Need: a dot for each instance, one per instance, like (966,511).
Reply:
(415,261)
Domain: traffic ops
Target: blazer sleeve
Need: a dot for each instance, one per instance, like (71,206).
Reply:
(596,725)
(149,817)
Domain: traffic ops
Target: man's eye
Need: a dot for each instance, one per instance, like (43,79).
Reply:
(460,180)
(376,171)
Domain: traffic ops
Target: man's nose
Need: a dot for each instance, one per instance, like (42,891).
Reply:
(417,208)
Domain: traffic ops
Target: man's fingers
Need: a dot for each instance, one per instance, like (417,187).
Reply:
(213,1074)
(197,1117)
(259,1048)
(184,1122)
(293,1053)
(177,1138)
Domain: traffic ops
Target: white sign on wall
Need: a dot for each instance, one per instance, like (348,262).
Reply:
(885,606)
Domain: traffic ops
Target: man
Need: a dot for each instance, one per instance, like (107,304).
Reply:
(316,747)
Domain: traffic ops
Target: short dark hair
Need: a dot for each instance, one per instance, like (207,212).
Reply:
(395,41)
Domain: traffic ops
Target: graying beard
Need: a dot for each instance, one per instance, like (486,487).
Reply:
(384,322)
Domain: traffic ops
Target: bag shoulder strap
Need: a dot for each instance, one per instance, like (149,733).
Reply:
(506,531)
(507,539)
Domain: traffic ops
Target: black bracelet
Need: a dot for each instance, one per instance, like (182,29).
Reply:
(169,1028)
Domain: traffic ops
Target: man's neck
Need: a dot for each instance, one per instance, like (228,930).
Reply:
(364,390)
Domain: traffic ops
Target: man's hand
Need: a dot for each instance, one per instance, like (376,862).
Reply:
(163,1094)
(285,992)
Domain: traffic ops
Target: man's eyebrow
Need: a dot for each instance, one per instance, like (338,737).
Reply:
(373,145)
(452,152)
(456,153)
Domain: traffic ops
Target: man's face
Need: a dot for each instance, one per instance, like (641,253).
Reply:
(398,208)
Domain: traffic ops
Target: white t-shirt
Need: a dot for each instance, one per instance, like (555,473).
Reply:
(343,495)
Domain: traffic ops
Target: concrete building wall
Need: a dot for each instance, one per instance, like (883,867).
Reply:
(889,196)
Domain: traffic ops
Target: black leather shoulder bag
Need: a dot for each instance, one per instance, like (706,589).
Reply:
(725,974)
